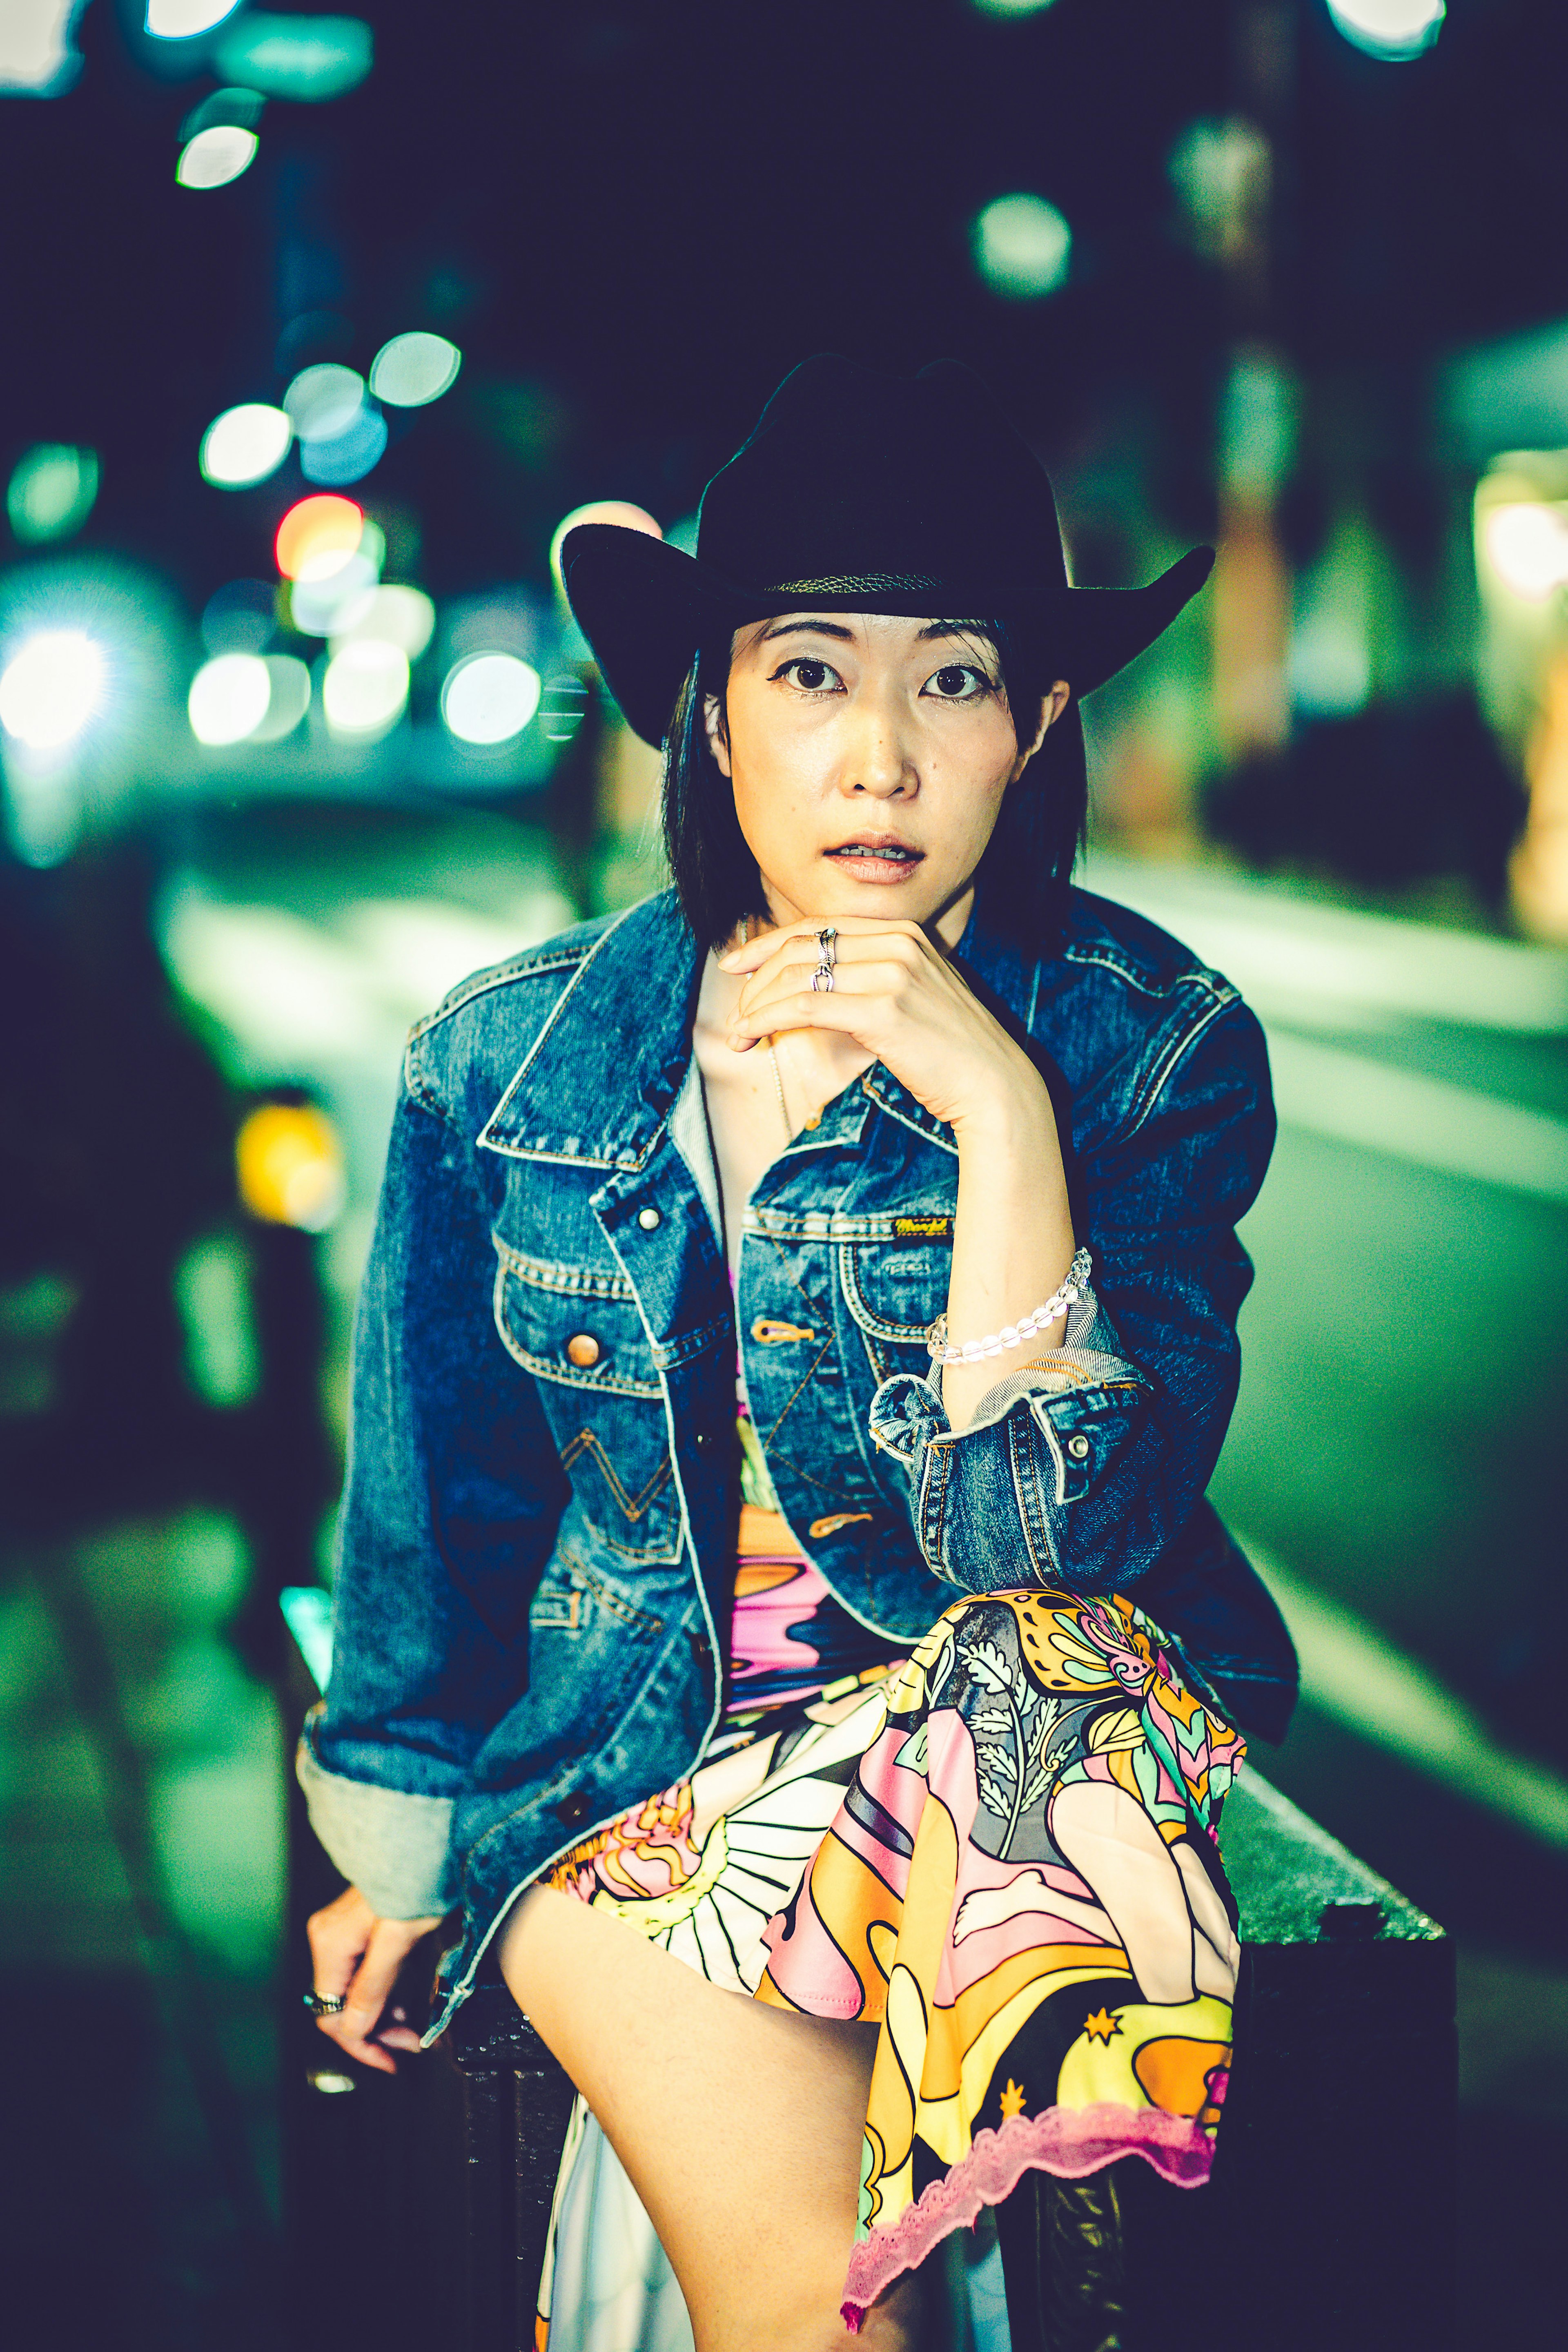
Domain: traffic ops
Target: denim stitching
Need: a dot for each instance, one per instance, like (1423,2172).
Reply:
(1035,1521)
(562,1281)
(532,1055)
(567,1376)
(1159,1079)
(585,1442)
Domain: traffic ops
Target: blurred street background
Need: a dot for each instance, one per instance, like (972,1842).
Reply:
(318,329)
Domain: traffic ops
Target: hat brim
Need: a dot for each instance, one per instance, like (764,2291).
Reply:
(646,607)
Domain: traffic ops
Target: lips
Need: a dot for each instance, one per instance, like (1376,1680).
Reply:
(885,851)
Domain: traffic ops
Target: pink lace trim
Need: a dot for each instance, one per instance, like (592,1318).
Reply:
(1072,2142)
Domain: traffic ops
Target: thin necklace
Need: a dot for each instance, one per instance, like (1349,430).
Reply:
(772,1052)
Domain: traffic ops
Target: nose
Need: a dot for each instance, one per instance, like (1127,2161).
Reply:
(878,760)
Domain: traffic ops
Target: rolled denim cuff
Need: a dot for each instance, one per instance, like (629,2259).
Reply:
(907,1409)
(1075,1399)
(394,1847)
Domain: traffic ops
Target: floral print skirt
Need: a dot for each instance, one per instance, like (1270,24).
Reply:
(1001,1851)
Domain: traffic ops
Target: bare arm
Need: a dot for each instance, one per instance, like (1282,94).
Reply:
(1012,1237)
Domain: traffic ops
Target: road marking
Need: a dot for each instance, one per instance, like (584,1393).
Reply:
(1358,1101)
(1358,1676)
(1277,946)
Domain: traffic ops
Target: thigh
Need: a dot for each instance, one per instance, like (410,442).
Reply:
(738,2124)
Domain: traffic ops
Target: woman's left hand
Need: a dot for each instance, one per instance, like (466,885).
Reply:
(899,996)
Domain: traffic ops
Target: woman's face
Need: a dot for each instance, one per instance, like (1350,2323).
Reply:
(868,756)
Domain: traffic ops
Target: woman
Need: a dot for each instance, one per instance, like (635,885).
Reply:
(799,1333)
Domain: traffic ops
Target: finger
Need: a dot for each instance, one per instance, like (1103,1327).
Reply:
(757,951)
(853,1016)
(338,1937)
(369,1993)
(793,967)
(358,2045)
(760,1008)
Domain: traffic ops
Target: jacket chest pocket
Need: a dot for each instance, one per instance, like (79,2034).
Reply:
(894,1292)
(576,1329)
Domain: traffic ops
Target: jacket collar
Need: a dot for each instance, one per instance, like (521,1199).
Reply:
(599,1083)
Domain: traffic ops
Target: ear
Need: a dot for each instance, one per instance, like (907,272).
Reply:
(717,737)
(1051,707)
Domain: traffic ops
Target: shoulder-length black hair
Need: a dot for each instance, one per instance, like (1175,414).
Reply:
(1028,861)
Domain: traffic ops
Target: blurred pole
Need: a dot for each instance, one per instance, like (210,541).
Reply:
(1538,871)
(573,801)
(1251,594)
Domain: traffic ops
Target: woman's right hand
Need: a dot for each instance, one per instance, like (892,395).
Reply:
(354,1954)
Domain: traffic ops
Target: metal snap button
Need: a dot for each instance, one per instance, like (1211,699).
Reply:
(574,1808)
(582,1349)
(1078,1447)
(647,1219)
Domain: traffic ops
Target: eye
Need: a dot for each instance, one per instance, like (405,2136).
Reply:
(957,682)
(812,676)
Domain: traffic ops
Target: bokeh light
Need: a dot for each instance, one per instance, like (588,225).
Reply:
(413,369)
(240,617)
(341,433)
(364,689)
(289,1165)
(563,706)
(50,688)
(1389,28)
(404,618)
(490,697)
(349,456)
(322,400)
(1011,7)
(289,698)
(179,20)
(51,492)
(37,53)
(317,537)
(228,699)
(245,445)
(1021,246)
(1528,547)
(309,57)
(613,510)
(216,156)
(331,607)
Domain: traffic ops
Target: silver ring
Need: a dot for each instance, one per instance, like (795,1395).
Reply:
(325,2004)
(823,980)
(827,939)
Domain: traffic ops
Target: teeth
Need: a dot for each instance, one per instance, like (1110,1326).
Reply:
(858,849)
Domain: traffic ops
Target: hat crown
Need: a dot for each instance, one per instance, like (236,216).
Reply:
(855,478)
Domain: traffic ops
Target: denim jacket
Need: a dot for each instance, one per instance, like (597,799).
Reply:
(536,1548)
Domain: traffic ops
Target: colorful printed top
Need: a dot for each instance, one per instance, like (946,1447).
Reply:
(789,1634)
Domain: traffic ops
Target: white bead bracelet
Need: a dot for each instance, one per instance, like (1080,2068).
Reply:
(974,1351)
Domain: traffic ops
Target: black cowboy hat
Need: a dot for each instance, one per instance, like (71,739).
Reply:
(859,492)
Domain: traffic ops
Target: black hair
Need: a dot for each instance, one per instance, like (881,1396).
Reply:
(1028,861)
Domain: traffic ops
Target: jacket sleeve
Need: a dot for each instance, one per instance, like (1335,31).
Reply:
(451,1504)
(1080,1470)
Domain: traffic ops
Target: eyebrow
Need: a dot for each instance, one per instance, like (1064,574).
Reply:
(836,629)
(817,628)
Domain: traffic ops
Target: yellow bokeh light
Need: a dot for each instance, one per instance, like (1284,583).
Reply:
(317,537)
(290,1166)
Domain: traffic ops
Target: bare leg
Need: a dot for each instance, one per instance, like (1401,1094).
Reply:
(738,2125)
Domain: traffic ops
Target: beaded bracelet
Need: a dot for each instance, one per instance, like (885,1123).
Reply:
(974,1351)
